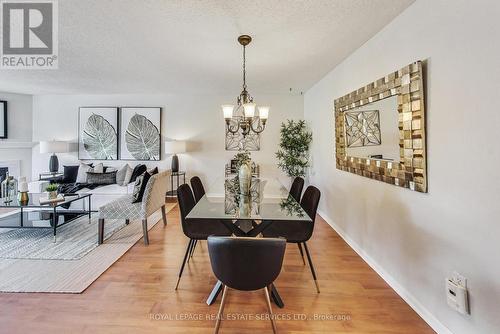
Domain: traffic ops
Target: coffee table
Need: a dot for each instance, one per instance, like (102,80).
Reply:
(53,215)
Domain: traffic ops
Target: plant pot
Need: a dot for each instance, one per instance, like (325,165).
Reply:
(52,194)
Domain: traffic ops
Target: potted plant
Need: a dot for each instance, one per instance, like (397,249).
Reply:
(52,190)
(293,153)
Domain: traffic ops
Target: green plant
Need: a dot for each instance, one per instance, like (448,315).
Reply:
(242,158)
(52,187)
(293,154)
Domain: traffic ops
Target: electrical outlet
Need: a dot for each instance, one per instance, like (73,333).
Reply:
(459,279)
(457,297)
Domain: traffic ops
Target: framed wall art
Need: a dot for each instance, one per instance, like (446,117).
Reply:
(98,133)
(3,119)
(140,133)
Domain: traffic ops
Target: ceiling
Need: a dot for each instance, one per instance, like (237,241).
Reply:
(190,47)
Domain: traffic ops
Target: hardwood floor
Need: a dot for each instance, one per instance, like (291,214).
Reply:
(136,295)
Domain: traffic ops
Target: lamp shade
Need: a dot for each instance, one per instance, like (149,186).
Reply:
(53,147)
(249,109)
(175,146)
(227,110)
(264,112)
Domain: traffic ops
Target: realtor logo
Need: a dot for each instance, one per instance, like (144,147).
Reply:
(29,34)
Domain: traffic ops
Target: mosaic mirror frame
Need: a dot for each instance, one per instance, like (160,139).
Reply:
(411,171)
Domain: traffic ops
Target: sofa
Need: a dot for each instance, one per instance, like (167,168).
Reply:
(101,195)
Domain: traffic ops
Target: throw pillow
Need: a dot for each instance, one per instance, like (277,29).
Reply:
(121,174)
(128,175)
(101,178)
(82,173)
(140,187)
(153,171)
(70,174)
(99,168)
(138,170)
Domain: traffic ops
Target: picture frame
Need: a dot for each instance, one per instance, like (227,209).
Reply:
(98,129)
(3,120)
(140,133)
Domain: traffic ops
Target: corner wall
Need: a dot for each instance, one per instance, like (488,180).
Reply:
(416,240)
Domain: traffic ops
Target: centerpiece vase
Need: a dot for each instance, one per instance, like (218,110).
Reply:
(245,178)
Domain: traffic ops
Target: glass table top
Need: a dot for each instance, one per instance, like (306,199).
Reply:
(259,205)
(34,201)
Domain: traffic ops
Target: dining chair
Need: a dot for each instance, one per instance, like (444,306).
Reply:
(195,229)
(198,189)
(299,232)
(199,192)
(246,264)
(296,188)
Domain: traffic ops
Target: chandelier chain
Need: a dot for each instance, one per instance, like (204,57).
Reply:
(244,69)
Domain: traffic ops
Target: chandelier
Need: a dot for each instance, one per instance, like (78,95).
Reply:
(244,118)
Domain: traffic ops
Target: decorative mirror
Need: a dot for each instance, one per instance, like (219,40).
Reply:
(380,130)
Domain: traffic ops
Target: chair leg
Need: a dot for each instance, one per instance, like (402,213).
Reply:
(192,249)
(145,231)
(188,248)
(100,232)
(268,301)
(301,253)
(221,310)
(312,267)
(127,221)
(164,215)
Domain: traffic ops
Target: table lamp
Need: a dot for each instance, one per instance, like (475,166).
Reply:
(53,147)
(174,147)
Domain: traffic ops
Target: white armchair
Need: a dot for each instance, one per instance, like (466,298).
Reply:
(123,208)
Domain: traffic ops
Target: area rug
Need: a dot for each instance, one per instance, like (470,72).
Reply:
(75,272)
(74,240)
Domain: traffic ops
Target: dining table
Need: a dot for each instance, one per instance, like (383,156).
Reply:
(248,214)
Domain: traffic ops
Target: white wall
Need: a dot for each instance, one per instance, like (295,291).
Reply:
(414,239)
(18,144)
(197,119)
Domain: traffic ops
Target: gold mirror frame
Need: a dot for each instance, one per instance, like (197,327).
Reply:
(411,171)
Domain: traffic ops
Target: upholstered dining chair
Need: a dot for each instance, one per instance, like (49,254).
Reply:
(299,232)
(198,189)
(195,229)
(246,264)
(199,192)
(296,188)
(123,208)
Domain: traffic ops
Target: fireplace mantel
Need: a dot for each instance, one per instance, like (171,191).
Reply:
(7,144)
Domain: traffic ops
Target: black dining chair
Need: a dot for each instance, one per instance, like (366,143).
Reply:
(195,229)
(199,192)
(296,188)
(198,189)
(246,264)
(299,232)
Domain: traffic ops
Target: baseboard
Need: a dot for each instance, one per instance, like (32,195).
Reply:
(427,316)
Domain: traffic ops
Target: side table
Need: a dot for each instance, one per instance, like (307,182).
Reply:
(51,177)
(176,175)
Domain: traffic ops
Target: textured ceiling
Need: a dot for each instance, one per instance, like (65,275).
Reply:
(188,46)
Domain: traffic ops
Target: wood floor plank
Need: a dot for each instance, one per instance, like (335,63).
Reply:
(137,295)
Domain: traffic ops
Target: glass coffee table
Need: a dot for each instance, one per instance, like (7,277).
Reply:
(53,215)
